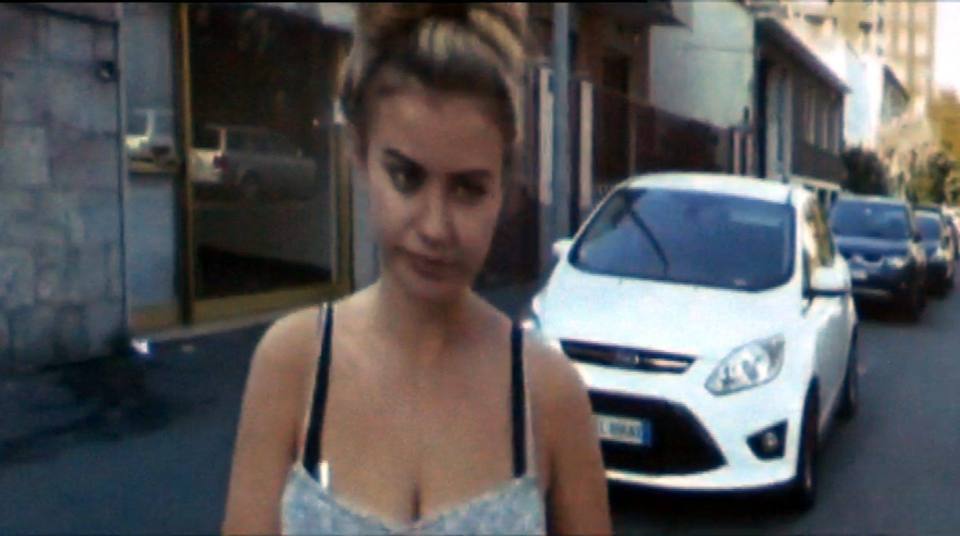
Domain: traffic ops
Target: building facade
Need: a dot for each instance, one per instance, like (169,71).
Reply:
(61,254)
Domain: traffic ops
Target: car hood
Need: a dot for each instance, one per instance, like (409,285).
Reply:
(855,245)
(698,321)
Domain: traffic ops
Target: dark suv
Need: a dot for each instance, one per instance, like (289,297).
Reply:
(879,238)
(939,242)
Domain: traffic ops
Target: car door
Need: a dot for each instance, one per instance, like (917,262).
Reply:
(835,310)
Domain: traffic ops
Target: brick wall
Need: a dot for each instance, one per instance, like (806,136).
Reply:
(60,277)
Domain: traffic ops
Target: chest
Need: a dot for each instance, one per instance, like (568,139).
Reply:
(410,445)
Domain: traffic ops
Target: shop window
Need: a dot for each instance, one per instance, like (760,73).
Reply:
(261,165)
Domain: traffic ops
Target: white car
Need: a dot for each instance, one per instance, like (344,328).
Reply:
(251,160)
(712,321)
(149,136)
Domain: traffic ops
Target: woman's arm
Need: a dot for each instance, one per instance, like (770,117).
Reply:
(577,493)
(267,434)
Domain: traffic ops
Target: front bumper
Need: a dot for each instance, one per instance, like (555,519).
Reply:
(938,270)
(879,282)
(700,442)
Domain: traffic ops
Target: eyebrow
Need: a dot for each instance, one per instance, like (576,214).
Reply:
(468,174)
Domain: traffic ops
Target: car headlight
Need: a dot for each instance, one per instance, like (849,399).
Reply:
(897,262)
(750,365)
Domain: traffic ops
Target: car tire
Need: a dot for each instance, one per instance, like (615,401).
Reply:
(850,395)
(802,491)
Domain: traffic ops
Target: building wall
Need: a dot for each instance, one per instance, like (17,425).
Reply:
(862,113)
(910,43)
(705,71)
(60,229)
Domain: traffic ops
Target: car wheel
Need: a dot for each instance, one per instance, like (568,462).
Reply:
(802,492)
(850,397)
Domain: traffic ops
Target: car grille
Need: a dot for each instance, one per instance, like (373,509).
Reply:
(627,358)
(868,257)
(680,445)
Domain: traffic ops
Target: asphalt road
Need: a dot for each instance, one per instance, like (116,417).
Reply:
(892,470)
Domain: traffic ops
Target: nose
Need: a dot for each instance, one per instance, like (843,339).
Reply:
(435,226)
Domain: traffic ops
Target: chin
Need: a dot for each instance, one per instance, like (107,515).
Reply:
(434,291)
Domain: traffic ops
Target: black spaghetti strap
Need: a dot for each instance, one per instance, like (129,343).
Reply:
(518,403)
(311,454)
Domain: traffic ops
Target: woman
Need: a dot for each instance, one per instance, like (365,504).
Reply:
(426,410)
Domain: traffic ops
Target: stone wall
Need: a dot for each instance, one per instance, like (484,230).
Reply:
(60,259)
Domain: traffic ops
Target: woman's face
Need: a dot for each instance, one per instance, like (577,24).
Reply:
(433,164)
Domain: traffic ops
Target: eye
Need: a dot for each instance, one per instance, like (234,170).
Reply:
(469,190)
(405,179)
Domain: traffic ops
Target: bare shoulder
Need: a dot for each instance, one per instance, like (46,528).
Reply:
(554,380)
(577,492)
(291,343)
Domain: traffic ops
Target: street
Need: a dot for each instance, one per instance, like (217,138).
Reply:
(157,459)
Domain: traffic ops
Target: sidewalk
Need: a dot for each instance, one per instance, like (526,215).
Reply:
(125,445)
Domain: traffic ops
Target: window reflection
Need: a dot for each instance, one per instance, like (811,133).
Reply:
(261,83)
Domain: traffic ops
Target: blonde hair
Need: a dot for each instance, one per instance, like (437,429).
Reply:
(475,49)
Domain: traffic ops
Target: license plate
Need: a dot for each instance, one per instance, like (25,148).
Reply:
(858,275)
(619,429)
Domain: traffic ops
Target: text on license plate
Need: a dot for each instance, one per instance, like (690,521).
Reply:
(633,431)
(858,275)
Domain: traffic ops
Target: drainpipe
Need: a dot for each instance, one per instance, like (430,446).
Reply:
(561,119)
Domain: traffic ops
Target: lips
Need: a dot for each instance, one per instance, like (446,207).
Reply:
(430,267)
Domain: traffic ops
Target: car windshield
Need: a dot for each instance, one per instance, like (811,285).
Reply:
(207,138)
(929,226)
(164,124)
(689,237)
(870,220)
(137,123)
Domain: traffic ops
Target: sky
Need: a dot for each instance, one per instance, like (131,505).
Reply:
(947,51)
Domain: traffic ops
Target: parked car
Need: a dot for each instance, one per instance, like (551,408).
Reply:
(950,219)
(713,324)
(939,246)
(880,241)
(149,136)
(252,161)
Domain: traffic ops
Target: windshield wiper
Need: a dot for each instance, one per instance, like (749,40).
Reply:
(638,220)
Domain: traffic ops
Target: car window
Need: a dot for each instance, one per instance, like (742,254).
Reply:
(689,237)
(238,140)
(866,219)
(207,138)
(164,125)
(929,226)
(137,123)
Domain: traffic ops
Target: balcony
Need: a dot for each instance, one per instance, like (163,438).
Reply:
(812,161)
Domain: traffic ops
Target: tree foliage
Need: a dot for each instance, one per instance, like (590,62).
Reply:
(931,179)
(866,173)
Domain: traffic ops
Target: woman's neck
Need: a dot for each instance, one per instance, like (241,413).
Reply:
(416,324)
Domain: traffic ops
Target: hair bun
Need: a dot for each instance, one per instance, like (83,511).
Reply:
(382,21)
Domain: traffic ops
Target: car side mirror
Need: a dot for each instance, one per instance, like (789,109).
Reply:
(562,247)
(829,282)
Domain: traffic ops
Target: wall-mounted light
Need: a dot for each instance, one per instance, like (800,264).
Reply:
(107,71)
